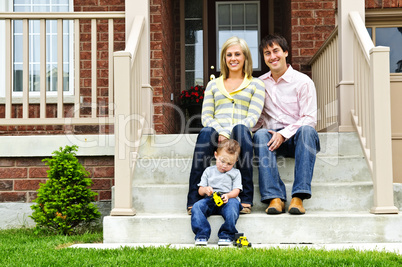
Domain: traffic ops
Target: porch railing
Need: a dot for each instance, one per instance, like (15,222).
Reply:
(372,112)
(325,76)
(74,117)
(130,115)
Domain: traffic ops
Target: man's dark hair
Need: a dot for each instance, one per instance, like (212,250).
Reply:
(270,40)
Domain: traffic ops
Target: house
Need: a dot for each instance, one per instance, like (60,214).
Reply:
(119,85)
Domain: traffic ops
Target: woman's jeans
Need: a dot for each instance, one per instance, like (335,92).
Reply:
(206,207)
(303,146)
(205,147)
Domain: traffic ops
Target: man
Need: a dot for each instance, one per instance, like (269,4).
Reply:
(287,120)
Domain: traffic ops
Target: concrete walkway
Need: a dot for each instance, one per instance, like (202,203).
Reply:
(385,247)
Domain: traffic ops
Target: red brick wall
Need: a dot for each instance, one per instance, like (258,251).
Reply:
(164,22)
(383,3)
(20,177)
(312,22)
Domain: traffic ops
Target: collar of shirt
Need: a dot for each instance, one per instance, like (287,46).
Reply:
(287,76)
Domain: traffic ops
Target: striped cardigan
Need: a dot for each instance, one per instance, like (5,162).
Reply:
(222,110)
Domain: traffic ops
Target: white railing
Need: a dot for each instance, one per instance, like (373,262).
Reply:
(372,112)
(59,99)
(325,76)
(130,115)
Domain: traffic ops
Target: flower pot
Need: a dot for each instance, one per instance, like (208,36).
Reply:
(194,124)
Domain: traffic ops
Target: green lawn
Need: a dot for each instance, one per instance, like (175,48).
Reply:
(22,247)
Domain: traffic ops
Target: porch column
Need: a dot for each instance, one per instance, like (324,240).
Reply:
(346,79)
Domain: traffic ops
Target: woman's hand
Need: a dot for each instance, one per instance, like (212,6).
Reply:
(221,138)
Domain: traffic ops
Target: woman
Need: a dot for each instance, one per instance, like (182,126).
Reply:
(232,105)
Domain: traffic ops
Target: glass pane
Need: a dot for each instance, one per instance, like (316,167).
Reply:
(192,32)
(17,26)
(40,2)
(66,79)
(34,50)
(19,2)
(237,14)
(251,14)
(370,32)
(190,79)
(51,77)
(17,48)
(34,79)
(391,37)
(223,14)
(193,9)
(21,9)
(41,9)
(59,9)
(17,77)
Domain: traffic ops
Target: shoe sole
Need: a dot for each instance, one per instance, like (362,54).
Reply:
(274,211)
(296,211)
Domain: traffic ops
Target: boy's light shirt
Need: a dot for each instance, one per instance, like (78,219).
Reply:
(221,182)
(289,103)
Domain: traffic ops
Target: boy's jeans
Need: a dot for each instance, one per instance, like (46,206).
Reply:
(206,207)
(303,146)
(205,147)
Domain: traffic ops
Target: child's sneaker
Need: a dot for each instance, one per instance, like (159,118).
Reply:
(224,242)
(201,242)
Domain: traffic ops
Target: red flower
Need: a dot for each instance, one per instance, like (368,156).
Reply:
(194,95)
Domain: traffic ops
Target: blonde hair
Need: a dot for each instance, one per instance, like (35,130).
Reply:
(248,63)
(231,146)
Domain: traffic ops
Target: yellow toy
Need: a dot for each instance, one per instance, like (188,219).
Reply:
(241,241)
(217,198)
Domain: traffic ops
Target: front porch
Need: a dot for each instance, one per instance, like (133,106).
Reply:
(352,182)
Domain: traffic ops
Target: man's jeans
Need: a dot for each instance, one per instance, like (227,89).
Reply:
(205,147)
(206,207)
(303,146)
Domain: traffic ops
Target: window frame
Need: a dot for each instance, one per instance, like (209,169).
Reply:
(386,18)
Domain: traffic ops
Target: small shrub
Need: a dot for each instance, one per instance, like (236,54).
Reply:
(64,201)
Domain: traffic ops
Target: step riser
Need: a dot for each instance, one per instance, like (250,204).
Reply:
(264,229)
(182,146)
(326,197)
(177,171)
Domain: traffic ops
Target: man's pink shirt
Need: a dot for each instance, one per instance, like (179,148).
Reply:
(289,103)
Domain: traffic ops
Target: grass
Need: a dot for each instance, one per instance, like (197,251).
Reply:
(22,247)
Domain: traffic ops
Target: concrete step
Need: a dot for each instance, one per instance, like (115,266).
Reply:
(327,169)
(350,196)
(182,145)
(260,228)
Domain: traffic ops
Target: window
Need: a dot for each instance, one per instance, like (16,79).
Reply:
(241,20)
(34,46)
(385,29)
(194,43)
(391,37)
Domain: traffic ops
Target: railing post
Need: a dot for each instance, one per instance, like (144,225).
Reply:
(123,201)
(381,133)
(346,80)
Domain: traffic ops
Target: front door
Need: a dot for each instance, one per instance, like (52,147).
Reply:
(208,24)
(245,19)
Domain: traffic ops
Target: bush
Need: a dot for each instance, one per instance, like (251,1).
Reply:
(64,201)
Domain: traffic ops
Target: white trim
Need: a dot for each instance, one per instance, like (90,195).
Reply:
(44,145)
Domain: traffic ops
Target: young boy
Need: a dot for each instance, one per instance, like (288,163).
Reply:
(219,178)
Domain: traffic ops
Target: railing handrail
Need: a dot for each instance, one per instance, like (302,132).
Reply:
(66,15)
(324,46)
(361,33)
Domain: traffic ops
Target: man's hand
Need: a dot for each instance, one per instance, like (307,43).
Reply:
(225,198)
(276,141)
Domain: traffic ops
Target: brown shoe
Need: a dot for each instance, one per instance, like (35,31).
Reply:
(246,210)
(296,206)
(276,206)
